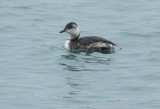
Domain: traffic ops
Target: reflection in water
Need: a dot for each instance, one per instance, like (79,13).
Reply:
(99,60)
(69,56)
(75,86)
(82,67)
(73,67)
(79,62)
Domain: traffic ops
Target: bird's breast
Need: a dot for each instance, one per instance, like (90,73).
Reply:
(67,45)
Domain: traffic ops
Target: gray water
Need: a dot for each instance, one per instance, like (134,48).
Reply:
(36,72)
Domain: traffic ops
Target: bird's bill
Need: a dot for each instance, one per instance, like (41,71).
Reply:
(62,31)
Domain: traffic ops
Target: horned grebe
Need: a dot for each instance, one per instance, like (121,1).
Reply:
(85,44)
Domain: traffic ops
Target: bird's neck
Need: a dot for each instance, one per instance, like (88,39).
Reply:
(73,38)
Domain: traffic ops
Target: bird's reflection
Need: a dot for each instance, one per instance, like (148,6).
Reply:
(98,60)
(76,86)
(72,67)
(77,68)
(69,57)
(83,62)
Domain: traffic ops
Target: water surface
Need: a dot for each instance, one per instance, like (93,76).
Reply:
(36,72)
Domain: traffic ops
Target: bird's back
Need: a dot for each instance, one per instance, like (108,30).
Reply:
(91,44)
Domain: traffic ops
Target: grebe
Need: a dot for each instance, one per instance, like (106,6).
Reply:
(85,44)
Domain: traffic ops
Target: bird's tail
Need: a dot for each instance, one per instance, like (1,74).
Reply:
(118,46)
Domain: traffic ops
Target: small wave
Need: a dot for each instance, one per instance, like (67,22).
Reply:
(7,27)
(22,7)
(37,19)
(135,34)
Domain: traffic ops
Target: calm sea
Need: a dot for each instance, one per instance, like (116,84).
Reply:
(36,72)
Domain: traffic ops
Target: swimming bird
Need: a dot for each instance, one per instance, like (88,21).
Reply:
(85,44)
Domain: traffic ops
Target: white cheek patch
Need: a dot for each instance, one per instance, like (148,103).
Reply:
(70,31)
(73,31)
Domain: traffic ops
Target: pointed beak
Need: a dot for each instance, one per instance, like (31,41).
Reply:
(62,31)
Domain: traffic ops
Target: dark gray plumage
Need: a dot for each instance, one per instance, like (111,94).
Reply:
(85,44)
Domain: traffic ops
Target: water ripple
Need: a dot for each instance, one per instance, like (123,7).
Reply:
(84,61)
